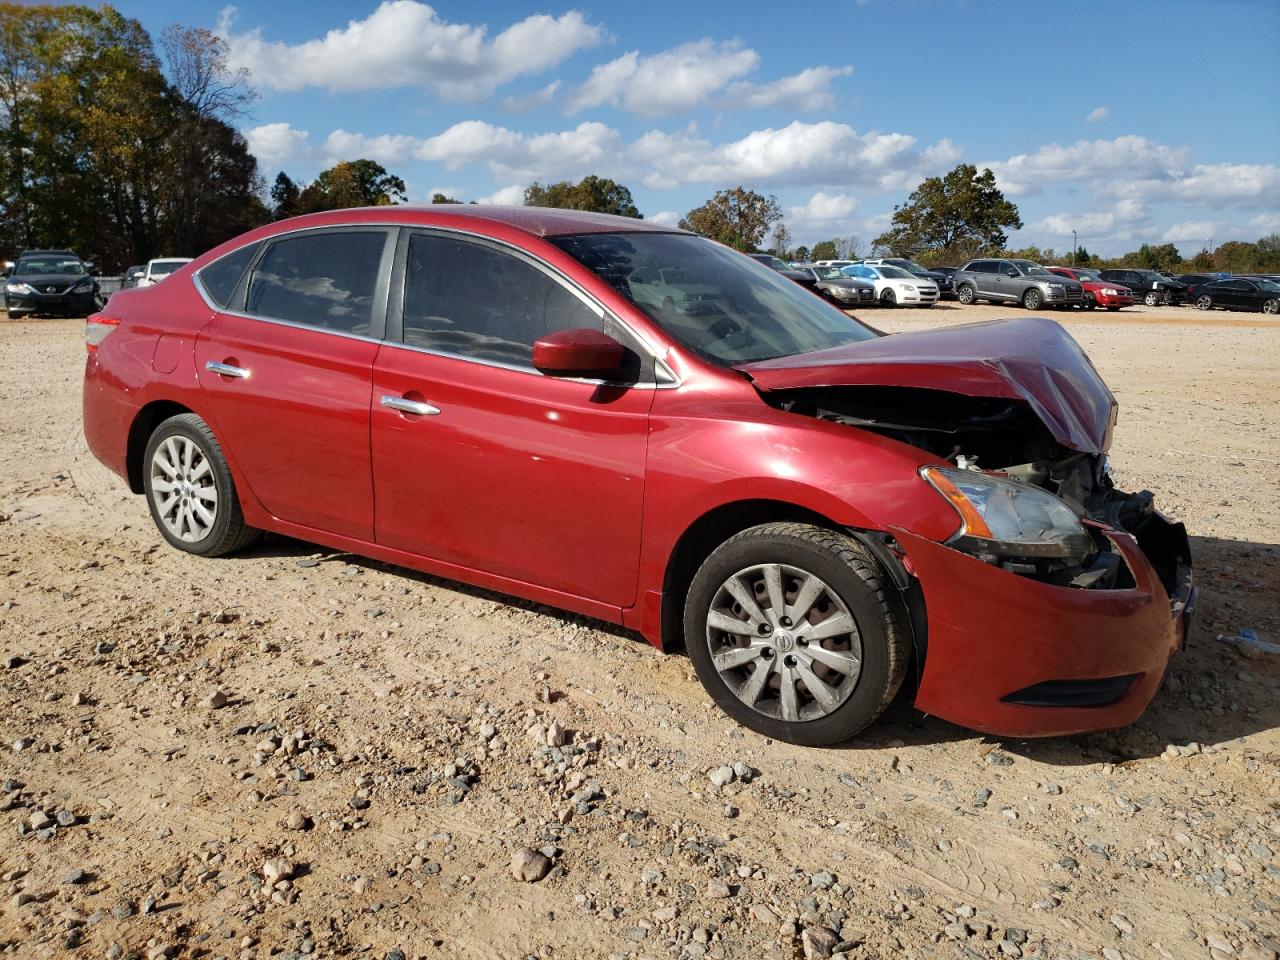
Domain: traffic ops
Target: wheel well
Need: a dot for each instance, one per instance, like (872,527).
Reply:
(144,424)
(703,536)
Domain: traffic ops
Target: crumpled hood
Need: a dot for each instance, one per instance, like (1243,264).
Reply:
(1033,359)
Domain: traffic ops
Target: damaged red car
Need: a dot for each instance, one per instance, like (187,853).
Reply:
(633,423)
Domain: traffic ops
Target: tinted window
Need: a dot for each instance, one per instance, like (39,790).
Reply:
(473,300)
(324,280)
(221,277)
(984,266)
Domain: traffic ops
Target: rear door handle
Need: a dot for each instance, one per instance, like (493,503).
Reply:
(226,370)
(405,405)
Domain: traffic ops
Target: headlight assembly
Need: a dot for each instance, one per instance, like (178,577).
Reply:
(1005,519)
(22,288)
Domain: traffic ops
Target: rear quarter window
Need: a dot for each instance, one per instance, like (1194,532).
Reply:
(221,277)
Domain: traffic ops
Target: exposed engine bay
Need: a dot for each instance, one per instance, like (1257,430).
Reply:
(1004,436)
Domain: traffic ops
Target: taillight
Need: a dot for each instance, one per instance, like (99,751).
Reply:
(96,329)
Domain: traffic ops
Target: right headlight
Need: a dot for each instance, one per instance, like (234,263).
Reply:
(1005,519)
(22,288)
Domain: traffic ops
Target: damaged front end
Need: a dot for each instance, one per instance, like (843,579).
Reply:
(1027,503)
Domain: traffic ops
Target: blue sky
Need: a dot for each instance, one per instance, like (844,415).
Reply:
(1129,122)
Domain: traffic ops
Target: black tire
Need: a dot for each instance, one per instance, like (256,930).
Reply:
(1033,299)
(965,295)
(1271,307)
(854,575)
(888,299)
(1151,298)
(1204,303)
(228,532)
(1089,301)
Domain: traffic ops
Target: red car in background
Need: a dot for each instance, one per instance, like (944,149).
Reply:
(1097,292)
(634,423)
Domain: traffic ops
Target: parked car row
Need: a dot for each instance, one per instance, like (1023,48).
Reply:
(896,281)
(59,283)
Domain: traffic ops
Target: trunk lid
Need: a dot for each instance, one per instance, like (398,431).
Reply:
(1033,360)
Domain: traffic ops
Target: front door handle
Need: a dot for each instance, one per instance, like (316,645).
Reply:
(226,370)
(405,405)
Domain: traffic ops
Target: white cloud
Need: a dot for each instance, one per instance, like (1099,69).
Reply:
(1266,223)
(807,90)
(1217,183)
(404,43)
(278,145)
(1189,231)
(674,80)
(523,103)
(667,218)
(506,197)
(386,149)
(823,208)
(1097,114)
(1085,160)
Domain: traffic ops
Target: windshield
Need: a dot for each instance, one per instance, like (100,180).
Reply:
(1269,286)
(162,268)
(772,262)
(894,273)
(829,273)
(727,307)
(911,266)
(1091,275)
(48,266)
(1031,268)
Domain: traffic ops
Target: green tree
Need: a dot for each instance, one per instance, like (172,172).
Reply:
(352,183)
(284,197)
(596,194)
(441,198)
(944,211)
(738,218)
(826,250)
(802,252)
(1163,258)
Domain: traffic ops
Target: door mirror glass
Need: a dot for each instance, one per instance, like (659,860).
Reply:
(1011,271)
(581,352)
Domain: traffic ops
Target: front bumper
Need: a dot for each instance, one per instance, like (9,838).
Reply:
(1063,296)
(1120,300)
(60,304)
(1012,656)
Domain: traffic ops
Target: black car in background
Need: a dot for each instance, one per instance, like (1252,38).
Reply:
(1193,280)
(839,288)
(1148,286)
(942,278)
(55,282)
(1239,293)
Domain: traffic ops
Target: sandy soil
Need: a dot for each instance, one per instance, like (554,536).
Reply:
(386,735)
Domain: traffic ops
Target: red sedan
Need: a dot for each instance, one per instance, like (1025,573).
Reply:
(637,424)
(1097,292)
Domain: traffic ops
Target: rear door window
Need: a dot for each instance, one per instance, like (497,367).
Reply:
(221,277)
(325,279)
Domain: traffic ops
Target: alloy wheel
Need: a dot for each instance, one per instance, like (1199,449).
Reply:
(1204,303)
(784,642)
(183,488)
(1271,306)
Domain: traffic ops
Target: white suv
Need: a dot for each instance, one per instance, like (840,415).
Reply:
(160,268)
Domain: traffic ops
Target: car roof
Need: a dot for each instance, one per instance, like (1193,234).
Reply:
(538,221)
(36,253)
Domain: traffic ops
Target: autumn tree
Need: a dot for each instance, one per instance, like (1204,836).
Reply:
(945,211)
(352,183)
(739,218)
(825,250)
(441,198)
(284,197)
(596,194)
(781,240)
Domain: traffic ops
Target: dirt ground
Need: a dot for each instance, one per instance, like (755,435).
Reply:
(388,740)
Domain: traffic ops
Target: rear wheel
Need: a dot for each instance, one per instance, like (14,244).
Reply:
(1033,299)
(888,299)
(1204,303)
(965,294)
(1271,306)
(1152,299)
(190,491)
(794,632)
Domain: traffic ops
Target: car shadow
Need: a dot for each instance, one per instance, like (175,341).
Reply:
(1212,694)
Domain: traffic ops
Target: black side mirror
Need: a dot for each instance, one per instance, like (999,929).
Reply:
(1011,272)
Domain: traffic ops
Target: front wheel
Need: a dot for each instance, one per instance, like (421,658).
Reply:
(1032,299)
(795,633)
(888,299)
(1089,301)
(965,295)
(1152,299)
(1204,303)
(190,491)
(1271,306)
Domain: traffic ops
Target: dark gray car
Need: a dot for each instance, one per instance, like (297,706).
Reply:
(1015,281)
